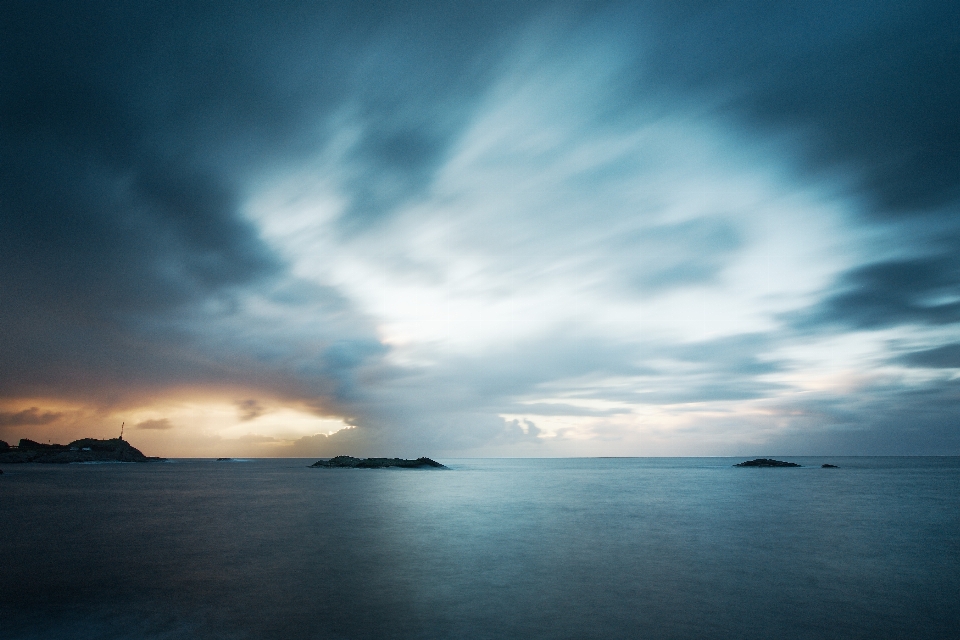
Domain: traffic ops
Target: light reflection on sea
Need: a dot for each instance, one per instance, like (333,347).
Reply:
(532,548)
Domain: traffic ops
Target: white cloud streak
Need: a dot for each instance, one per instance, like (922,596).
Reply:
(557,248)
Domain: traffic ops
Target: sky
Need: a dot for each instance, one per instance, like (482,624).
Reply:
(294,228)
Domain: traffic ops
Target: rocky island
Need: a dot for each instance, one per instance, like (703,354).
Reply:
(349,462)
(766,462)
(83,450)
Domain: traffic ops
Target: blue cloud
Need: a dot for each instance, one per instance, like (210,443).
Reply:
(593,211)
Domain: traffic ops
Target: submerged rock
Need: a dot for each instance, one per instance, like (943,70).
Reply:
(766,462)
(224,459)
(829,466)
(83,450)
(349,462)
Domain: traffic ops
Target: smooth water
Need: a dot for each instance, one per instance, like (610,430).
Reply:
(493,548)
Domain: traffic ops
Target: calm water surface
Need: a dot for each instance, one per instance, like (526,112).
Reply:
(534,548)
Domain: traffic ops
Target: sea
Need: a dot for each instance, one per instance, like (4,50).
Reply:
(572,548)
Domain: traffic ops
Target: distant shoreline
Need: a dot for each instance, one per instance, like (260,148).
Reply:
(84,450)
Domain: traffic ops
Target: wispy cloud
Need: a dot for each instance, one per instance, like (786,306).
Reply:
(546,229)
(158,425)
(31,416)
(250,409)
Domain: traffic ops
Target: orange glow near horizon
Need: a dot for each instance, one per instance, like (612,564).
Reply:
(172,426)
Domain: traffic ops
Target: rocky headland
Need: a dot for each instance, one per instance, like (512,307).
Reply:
(766,462)
(83,450)
(349,462)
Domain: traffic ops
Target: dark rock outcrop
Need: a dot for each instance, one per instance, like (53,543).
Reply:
(30,445)
(766,462)
(83,450)
(829,466)
(349,462)
(4,446)
(224,459)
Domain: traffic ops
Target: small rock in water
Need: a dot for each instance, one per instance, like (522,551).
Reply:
(766,462)
(349,462)
(829,466)
(224,459)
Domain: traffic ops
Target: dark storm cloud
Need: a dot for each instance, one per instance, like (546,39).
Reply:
(868,91)
(31,416)
(945,357)
(131,133)
(871,86)
(394,162)
(111,204)
(127,131)
(918,291)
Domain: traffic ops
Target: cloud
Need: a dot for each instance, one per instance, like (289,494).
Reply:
(520,430)
(31,416)
(253,438)
(250,409)
(920,290)
(851,78)
(944,357)
(350,441)
(157,425)
(560,409)
(682,254)
(419,219)
(883,418)
(122,227)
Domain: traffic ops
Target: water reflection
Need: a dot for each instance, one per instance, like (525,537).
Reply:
(609,548)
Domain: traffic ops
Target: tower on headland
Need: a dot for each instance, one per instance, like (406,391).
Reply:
(121,429)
